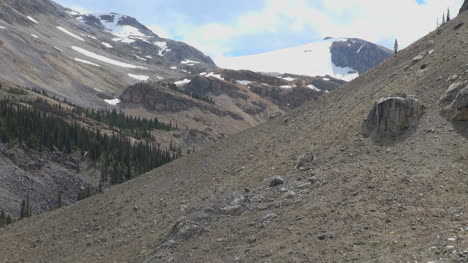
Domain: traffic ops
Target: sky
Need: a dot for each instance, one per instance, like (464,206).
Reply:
(227,28)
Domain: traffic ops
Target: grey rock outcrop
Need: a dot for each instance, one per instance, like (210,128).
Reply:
(453,104)
(392,116)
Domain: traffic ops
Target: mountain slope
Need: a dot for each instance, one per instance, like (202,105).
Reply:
(341,58)
(361,201)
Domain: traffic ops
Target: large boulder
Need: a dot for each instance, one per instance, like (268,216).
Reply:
(453,104)
(392,116)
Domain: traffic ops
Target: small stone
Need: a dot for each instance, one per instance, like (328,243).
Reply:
(278,180)
(451,239)
(283,190)
(251,239)
(322,236)
(290,194)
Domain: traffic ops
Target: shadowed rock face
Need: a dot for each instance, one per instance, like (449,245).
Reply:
(464,6)
(453,104)
(392,116)
(358,54)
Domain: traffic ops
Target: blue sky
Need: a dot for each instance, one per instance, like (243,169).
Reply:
(223,28)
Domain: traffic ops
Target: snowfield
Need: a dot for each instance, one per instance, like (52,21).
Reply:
(32,19)
(312,59)
(105,59)
(86,62)
(70,33)
(138,77)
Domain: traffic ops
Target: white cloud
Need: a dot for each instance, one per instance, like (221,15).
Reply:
(368,19)
(80,9)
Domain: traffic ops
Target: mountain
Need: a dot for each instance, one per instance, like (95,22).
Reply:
(342,58)
(97,60)
(311,186)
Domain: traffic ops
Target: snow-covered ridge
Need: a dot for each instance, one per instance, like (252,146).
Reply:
(312,59)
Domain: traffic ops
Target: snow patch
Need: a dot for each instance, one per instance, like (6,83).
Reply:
(173,67)
(140,58)
(86,62)
(150,57)
(359,50)
(59,49)
(203,74)
(89,36)
(286,87)
(245,82)
(312,87)
(163,49)
(287,78)
(34,36)
(113,101)
(189,62)
(345,73)
(182,82)
(160,78)
(211,74)
(105,59)
(138,77)
(70,33)
(2,27)
(32,19)
(107,45)
(326,79)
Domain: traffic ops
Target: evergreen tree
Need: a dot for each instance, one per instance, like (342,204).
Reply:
(448,14)
(443,18)
(395,46)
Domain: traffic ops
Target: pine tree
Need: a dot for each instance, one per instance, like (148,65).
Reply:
(443,18)
(448,14)
(395,46)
